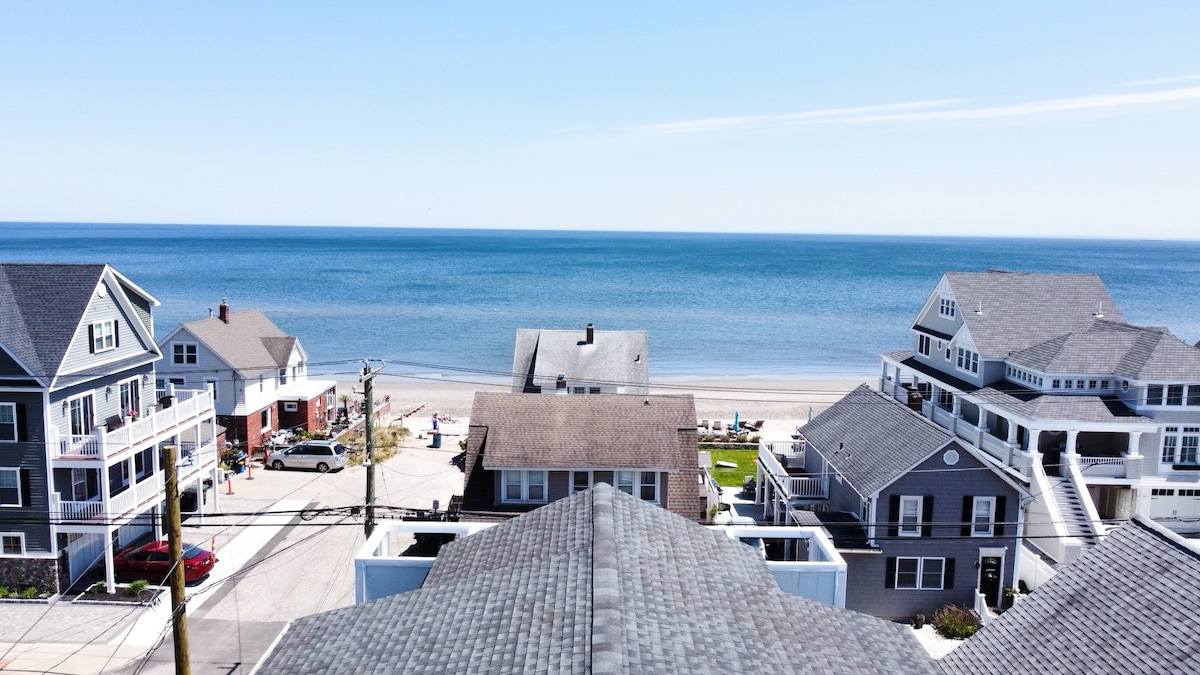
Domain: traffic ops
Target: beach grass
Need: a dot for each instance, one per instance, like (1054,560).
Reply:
(733,477)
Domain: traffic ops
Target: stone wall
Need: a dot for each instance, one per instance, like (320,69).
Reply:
(17,574)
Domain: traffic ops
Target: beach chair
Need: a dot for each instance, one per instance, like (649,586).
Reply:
(718,425)
(756,426)
(703,424)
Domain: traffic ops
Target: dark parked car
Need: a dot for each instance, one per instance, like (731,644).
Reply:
(152,562)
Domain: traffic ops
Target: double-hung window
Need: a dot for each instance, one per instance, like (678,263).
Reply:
(524,486)
(184,353)
(910,516)
(641,484)
(926,574)
(968,360)
(1180,445)
(12,543)
(947,308)
(8,422)
(983,517)
(10,487)
(104,336)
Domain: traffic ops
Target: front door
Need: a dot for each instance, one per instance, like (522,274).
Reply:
(989,579)
(81,415)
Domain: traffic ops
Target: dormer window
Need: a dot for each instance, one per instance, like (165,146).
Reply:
(947,308)
(183,353)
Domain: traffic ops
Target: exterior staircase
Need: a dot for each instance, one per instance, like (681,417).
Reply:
(1074,517)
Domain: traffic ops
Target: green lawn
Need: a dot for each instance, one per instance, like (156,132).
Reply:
(733,477)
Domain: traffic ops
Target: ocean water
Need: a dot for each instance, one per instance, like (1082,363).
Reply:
(449,301)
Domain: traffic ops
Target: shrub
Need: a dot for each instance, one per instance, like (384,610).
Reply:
(98,587)
(3,591)
(136,587)
(29,593)
(955,622)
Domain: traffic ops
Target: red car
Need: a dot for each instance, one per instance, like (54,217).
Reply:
(152,562)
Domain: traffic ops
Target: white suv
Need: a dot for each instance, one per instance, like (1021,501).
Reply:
(320,455)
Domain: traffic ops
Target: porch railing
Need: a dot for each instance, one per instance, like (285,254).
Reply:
(808,488)
(104,443)
(982,609)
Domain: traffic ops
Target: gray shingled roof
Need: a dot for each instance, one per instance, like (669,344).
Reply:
(591,430)
(1127,605)
(872,439)
(250,343)
(1022,309)
(1131,352)
(599,582)
(41,306)
(1032,406)
(615,357)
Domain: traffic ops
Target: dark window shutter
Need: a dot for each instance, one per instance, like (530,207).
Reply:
(22,429)
(968,516)
(889,579)
(893,516)
(91,339)
(927,516)
(948,575)
(26,484)
(116,333)
(1000,519)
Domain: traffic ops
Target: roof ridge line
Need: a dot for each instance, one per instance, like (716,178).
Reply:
(607,637)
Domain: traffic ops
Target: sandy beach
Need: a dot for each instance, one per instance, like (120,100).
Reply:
(785,402)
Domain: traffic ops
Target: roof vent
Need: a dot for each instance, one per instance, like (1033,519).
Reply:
(591,334)
(1099,314)
(979,309)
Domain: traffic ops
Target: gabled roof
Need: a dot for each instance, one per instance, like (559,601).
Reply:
(42,306)
(1021,309)
(1131,352)
(250,343)
(587,431)
(599,582)
(614,357)
(1127,605)
(872,439)
(1033,405)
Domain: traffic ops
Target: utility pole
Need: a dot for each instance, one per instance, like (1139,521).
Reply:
(175,546)
(367,378)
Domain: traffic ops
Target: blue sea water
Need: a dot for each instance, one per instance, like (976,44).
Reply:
(435,301)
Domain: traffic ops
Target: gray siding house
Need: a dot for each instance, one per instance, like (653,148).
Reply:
(81,424)
(1100,418)
(580,362)
(921,519)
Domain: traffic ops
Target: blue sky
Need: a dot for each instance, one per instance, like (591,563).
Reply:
(1016,118)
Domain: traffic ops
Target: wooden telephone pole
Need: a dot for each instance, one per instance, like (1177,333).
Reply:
(183,664)
(367,378)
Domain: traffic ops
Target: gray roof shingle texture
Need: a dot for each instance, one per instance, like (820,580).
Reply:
(1102,409)
(250,343)
(41,306)
(1131,352)
(872,439)
(615,357)
(1127,605)
(597,582)
(1022,309)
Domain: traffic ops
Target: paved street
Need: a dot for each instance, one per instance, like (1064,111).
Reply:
(303,568)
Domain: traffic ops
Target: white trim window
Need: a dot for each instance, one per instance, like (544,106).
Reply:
(81,411)
(947,308)
(580,481)
(10,487)
(104,336)
(283,376)
(641,484)
(12,544)
(8,422)
(291,406)
(212,383)
(920,574)
(131,396)
(524,486)
(184,353)
(923,344)
(968,361)
(910,516)
(1181,445)
(983,517)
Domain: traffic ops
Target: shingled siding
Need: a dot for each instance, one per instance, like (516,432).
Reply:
(947,485)
(28,455)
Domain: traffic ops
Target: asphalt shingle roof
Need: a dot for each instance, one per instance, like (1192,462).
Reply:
(41,306)
(1131,352)
(1127,605)
(1034,406)
(615,357)
(1021,309)
(250,343)
(872,439)
(600,582)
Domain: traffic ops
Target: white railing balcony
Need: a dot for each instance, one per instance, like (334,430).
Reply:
(148,488)
(807,488)
(981,609)
(87,510)
(1106,467)
(995,446)
(789,449)
(103,444)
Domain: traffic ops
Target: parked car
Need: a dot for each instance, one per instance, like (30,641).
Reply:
(152,562)
(320,455)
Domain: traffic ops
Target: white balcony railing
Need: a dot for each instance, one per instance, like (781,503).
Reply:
(807,488)
(102,444)
(792,487)
(1107,467)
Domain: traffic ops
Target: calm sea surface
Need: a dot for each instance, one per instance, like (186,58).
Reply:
(714,304)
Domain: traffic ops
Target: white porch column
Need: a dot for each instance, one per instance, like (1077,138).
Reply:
(110,576)
(1072,440)
(957,408)
(1012,432)
(1133,449)
(156,517)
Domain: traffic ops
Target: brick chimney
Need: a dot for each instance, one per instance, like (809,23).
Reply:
(591,335)
(223,310)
